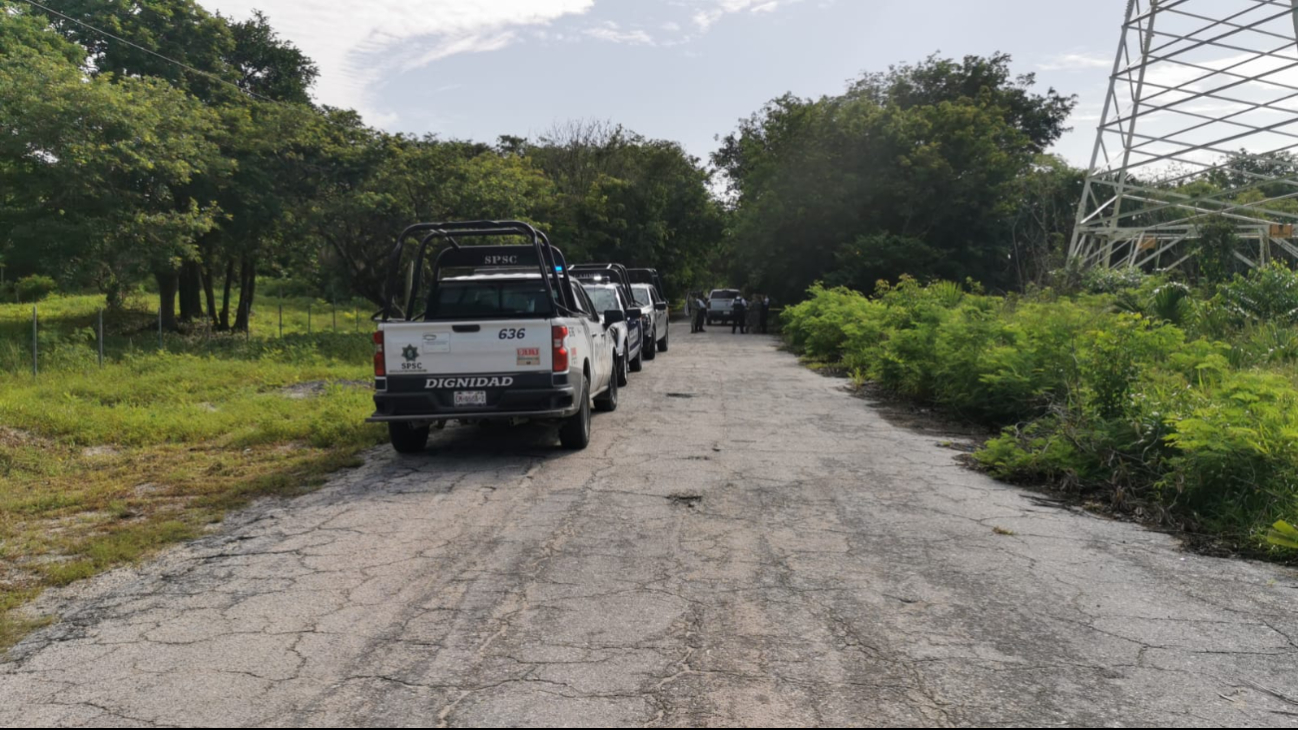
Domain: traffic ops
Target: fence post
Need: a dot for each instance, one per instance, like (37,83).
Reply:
(356,318)
(308,319)
(35,344)
(160,345)
(101,338)
(281,320)
(335,313)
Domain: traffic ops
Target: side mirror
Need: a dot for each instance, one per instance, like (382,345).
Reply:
(613,316)
(632,315)
(661,306)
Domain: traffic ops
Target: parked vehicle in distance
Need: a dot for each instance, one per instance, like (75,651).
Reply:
(641,317)
(628,339)
(659,321)
(503,333)
(721,302)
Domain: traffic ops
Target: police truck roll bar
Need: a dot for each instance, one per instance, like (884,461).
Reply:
(504,333)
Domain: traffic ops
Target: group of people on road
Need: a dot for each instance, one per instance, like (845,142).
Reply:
(739,313)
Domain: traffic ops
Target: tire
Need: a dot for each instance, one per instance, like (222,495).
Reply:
(408,439)
(623,376)
(662,344)
(637,363)
(650,352)
(607,402)
(575,432)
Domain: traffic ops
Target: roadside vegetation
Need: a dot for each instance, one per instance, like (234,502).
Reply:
(1178,403)
(100,466)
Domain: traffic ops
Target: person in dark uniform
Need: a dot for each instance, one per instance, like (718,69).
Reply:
(739,315)
(700,312)
(763,311)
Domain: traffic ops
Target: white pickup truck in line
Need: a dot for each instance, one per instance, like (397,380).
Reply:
(502,333)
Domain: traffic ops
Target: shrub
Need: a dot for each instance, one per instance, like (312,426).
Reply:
(1267,294)
(1112,281)
(1095,396)
(34,288)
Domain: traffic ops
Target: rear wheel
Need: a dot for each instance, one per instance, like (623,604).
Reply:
(650,351)
(575,431)
(607,403)
(408,438)
(662,344)
(637,362)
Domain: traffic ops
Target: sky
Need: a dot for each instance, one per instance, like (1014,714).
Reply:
(685,70)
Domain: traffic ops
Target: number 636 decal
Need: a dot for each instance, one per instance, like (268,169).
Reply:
(513,334)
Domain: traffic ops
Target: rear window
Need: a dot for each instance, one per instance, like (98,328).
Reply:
(643,294)
(605,299)
(724,294)
(481,299)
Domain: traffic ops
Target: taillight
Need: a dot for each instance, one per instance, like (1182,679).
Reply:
(380,367)
(560,333)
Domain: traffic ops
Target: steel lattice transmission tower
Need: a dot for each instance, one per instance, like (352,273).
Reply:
(1200,121)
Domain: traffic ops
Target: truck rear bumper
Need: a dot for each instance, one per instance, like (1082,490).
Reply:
(406,399)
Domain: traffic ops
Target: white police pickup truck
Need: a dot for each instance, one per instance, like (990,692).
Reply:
(648,289)
(503,333)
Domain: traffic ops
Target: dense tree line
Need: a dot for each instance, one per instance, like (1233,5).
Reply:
(119,167)
(936,169)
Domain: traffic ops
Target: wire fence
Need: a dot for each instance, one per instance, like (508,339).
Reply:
(282,319)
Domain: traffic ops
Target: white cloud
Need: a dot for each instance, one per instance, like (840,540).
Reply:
(613,33)
(356,44)
(1076,62)
(704,19)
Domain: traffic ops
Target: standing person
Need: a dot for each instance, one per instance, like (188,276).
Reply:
(763,311)
(739,316)
(700,312)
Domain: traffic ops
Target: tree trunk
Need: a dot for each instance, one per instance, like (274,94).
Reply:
(247,290)
(209,292)
(168,282)
(224,323)
(191,287)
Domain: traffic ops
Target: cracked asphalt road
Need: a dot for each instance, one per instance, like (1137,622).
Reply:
(744,543)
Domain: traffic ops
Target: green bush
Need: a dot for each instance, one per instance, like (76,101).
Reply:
(34,288)
(1268,294)
(1092,393)
(1112,281)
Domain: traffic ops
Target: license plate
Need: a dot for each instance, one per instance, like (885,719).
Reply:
(470,398)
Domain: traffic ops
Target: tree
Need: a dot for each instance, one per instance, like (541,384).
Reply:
(179,30)
(390,181)
(987,81)
(621,197)
(1215,249)
(913,171)
(267,65)
(1044,214)
(93,168)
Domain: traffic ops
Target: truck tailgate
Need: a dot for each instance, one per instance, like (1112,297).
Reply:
(463,348)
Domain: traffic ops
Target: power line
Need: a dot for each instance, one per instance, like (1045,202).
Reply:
(150,51)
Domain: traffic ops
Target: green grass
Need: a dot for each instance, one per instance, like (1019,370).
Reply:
(101,466)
